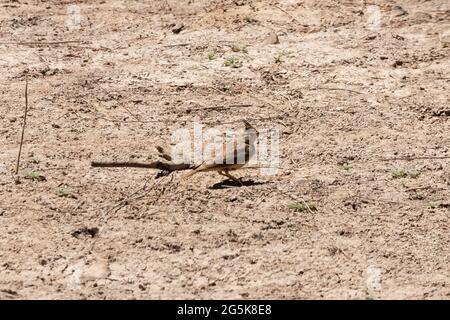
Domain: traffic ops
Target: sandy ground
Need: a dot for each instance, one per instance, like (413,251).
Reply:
(350,86)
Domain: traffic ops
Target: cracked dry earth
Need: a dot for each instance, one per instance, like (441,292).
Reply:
(359,92)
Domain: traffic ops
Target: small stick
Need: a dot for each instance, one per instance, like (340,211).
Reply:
(414,158)
(287,13)
(424,188)
(32,43)
(176,45)
(184,121)
(342,89)
(23,125)
(166,166)
(100,164)
(243,105)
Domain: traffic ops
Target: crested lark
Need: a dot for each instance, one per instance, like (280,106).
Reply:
(233,159)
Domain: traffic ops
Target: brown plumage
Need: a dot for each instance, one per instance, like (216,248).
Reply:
(233,159)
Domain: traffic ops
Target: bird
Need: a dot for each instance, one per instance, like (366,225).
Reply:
(233,159)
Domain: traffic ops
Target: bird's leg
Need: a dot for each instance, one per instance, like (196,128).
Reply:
(228,175)
(222,173)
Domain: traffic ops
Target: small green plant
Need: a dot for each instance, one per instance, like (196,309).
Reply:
(233,62)
(211,56)
(396,174)
(413,175)
(35,176)
(345,167)
(278,58)
(302,206)
(239,48)
(62,192)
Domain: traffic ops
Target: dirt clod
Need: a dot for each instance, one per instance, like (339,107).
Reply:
(85,232)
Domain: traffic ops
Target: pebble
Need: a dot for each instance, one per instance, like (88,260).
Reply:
(178,28)
(272,39)
(398,11)
(444,37)
(97,270)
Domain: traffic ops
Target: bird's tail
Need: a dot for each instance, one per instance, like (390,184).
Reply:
(189,174)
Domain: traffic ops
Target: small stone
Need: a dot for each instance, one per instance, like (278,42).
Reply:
(85,232)
(200,282)
(398,37)
(422,17)
(272,39)
(178,28)
(398,11)
(444,37)
(397,63)
(97,270)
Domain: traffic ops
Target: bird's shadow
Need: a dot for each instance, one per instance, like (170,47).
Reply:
(231,183)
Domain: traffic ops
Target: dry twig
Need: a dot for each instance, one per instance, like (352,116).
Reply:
(165,166)
(37,43)
(407,158)
(23,125)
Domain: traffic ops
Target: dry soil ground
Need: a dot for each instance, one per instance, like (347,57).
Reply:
(348,85)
